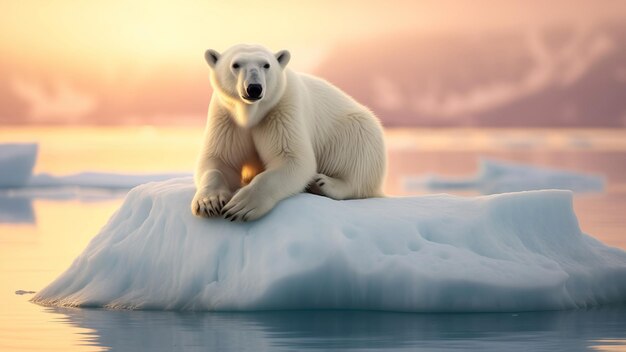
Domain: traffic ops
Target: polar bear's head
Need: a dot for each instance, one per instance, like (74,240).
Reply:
(250,74)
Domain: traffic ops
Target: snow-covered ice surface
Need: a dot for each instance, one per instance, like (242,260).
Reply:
(495,176)
(16,163)
(438,253)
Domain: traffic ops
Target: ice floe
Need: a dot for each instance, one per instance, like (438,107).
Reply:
(438,253)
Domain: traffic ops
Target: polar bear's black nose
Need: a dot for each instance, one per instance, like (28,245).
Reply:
(254,91)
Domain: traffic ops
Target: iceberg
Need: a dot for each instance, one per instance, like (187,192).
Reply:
(437,253)
(495,176)
(16,163)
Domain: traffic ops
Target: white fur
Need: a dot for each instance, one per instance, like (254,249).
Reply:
(303,134)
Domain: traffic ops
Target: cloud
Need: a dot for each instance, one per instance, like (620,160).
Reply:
(387,94)
(581,55)
(61,103)
(548,67)
(620,74)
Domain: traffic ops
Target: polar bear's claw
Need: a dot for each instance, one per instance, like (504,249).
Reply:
(247,204)
(209,204)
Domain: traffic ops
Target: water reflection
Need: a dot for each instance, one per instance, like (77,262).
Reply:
(16,205)
(16,210)
(355,330)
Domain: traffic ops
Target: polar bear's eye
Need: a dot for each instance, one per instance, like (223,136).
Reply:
(266,66)
(235,65)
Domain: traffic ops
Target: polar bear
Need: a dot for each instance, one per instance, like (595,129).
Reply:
(272,132)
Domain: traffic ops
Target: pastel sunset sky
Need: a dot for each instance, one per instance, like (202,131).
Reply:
(69,56)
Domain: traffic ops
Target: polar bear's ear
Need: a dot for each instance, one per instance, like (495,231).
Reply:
(283,58)
(211,56)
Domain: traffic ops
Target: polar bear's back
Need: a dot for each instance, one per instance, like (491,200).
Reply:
(347,137)
(323,98)
(326,106)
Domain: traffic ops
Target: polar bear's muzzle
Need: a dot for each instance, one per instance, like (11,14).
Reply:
(253,85)
(254,92)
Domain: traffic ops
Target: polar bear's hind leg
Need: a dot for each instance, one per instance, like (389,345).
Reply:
(354,165)
(339,189)
(331,187)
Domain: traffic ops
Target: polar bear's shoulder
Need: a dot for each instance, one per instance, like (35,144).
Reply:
(316,87)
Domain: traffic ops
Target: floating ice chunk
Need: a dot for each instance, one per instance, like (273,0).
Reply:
(501,176)
(509,252)
(16,163)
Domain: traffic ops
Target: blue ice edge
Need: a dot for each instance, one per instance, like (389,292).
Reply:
(438,253)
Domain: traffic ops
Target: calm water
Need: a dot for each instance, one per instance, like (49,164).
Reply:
(45,234)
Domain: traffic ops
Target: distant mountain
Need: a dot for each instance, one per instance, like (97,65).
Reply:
(559,76)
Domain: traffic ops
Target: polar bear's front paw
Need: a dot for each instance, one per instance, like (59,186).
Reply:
(247,205)
(209,203)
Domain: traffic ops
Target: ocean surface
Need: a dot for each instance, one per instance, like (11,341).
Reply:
(41,233)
